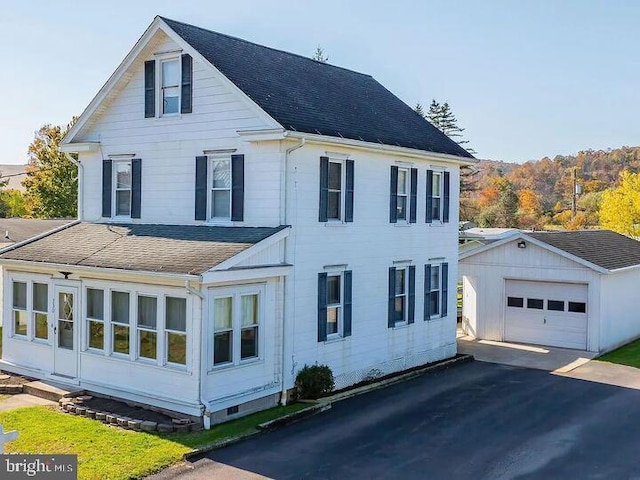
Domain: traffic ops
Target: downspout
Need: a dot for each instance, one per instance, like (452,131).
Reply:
(80,186)
(206,415)
(284,221)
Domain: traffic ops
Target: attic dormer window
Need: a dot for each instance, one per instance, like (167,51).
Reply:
(168,88)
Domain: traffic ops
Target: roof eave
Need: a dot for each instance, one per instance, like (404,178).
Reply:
(403,151)
(112,271)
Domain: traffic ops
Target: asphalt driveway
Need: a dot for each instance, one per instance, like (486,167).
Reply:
(475,421)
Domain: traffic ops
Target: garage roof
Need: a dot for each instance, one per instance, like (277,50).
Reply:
(604,248)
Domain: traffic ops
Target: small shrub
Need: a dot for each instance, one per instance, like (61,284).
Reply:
(314,381)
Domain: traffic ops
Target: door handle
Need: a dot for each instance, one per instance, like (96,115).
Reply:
(545,320)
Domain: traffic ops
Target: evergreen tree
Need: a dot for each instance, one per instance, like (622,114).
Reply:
(320,56)
(441,117)
(419,110)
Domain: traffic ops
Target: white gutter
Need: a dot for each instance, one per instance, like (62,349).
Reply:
(284,177)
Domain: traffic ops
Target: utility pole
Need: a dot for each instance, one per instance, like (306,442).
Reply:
(576,190)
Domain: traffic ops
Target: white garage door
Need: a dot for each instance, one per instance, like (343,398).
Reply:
(546,313)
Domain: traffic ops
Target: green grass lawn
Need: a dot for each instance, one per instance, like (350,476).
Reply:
(628,354)
(109,452)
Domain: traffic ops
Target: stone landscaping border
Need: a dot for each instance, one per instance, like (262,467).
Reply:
(10,389)
(67,405)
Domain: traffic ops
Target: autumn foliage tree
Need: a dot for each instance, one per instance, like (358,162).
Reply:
(52,178)
(620,208)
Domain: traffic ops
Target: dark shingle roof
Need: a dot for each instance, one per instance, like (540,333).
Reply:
(151,248)
(604,248)
(304,95)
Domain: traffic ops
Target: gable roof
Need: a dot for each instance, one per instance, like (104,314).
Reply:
(304,95)
(176,249)
(604,248)
(601,250)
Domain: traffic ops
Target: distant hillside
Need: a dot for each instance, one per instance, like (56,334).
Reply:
(15,174)
(597,170)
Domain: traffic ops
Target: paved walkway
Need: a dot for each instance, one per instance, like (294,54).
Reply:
(23,400)
(576,364)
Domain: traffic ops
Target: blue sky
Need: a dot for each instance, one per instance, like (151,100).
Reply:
(526,79)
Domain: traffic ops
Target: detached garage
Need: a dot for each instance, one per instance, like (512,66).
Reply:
(563,289)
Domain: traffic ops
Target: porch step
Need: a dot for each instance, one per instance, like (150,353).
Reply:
(50,391)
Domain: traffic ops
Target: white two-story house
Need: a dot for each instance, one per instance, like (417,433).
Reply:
(243,211)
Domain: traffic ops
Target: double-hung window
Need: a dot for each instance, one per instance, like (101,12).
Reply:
(334,304)
(336,190)
(438,193)
(436,279)
(120,322)
(20,308)
(122,191)
(147,327)
(401,295)
(176,330)
(221,189)
(95,318)
(403,194)
(39,311)
(170,86)
(236,324)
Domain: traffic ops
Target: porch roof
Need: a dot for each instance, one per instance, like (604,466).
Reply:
(174,249)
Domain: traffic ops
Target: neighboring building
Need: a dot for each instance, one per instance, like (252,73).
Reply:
(564,289)
(243,212)
(16,230)
(473,237)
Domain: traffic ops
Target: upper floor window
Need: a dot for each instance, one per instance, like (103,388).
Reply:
(122,189)
(168,85)
(402,286)
(219,194)
(438,192)
(336,190)
(403,194)
(221,189)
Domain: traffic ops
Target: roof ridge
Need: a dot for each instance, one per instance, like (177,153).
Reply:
(165,19)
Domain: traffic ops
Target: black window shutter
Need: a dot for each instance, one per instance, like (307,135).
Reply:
(201,188)
(150,89)
(106,187)
(414,195)
(237,188)
(346,329)
(187,85)
(324,189)
(446,188)
(392,295)
(393,196)
(412,293)
(427,292)
(445,289)
(348,198)
(429,217)
(136,187)
(322,307)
